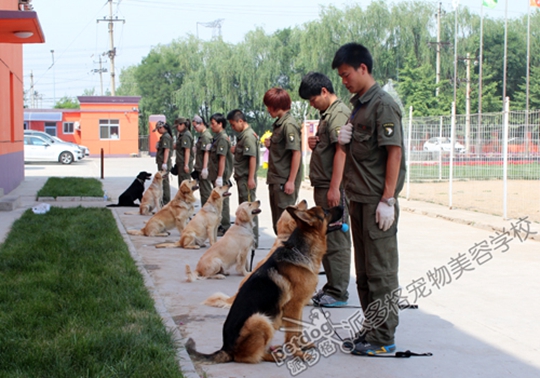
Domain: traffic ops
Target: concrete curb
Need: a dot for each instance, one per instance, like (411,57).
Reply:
(70,199)
(184,360)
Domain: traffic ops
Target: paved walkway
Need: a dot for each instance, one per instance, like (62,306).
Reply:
(477,319)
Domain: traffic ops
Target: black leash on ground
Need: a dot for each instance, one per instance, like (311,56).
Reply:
(349,345)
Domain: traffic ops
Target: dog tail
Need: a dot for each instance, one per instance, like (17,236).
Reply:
(219,300)
(191,276)
(135,232)
(219,356)
(166,245)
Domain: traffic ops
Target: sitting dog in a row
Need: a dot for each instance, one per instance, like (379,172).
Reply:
(174,214)
(204,224)
(231,249)
(274,295)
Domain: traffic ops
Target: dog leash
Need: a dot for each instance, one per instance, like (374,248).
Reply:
(348,345)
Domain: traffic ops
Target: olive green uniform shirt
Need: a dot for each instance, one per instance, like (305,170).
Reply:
(246,147)
(184,141)
(376,120)
(165,142)
(286,138)
(221,146)
(204,140)
(321,165)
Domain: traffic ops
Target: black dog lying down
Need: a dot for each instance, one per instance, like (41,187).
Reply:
(134,192)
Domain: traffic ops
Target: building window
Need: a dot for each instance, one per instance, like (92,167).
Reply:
(50,128)
(26,125)
(109,129)
(68,127)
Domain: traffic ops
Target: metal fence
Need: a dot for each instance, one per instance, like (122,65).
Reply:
(143,143)
(493,168)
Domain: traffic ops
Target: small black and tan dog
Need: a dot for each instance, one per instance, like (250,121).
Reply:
(278,290)
(134,192)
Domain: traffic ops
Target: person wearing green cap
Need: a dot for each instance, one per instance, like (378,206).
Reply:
(183,147)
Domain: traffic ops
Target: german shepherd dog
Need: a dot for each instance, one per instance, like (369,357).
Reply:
(279,289)
(133,192)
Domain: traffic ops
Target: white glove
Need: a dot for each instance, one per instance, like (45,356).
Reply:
(164,166)
(345,134)
(384,216)
(219,181)
(204,173)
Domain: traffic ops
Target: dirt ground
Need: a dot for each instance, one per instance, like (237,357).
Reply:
(523,196)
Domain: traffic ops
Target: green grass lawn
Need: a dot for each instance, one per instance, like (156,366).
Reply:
(73,304)
(70,187)
(477,172)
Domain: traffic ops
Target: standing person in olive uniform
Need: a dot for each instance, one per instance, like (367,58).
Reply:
(201,153)
(246,162)
(285,159)
(163,156)
(183,148)
(220,164)
(325,172)
(375,166)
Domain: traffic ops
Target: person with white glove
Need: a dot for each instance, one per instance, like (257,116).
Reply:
(201,158)
(385,215)
(163,156)
(204,173)
(345,134)
(374,176)
(220,164)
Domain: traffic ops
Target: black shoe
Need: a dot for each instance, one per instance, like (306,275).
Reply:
(221,231)
(350,343)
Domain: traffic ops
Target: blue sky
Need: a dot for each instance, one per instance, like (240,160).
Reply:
(78,40)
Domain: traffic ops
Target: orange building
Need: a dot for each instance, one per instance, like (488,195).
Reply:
(18,24)
(110,123)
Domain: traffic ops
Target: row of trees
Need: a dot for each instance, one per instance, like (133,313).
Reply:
(191,76)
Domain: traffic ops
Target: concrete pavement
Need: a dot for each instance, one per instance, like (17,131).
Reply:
(476,288)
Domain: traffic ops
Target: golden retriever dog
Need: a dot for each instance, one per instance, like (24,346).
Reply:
(204,224)
(231,249)
(285,227)
(174,214)
(152,197)
(275,294)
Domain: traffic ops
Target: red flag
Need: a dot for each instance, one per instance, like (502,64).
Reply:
(534,3)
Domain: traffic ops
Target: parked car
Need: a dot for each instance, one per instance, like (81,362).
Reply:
(38,149)
(442,144)
(52,139)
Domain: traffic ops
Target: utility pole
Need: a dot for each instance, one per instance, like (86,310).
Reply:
(438,45)
(215,25)
(112,52)
(100,71)
(54,79)
(438,77)
(32,91)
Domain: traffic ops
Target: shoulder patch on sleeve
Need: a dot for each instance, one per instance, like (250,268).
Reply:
(291,137)
(388,129)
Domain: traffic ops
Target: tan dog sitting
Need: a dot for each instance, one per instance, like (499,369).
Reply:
(204,224)
(231,249)
(152,197)
(285,227)
(174,214)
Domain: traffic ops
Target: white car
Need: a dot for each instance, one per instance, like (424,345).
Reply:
(52,139)
(436,144)
(38,149)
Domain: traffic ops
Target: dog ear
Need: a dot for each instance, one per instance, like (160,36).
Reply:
(242,214)
(215,195)
(301,215)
